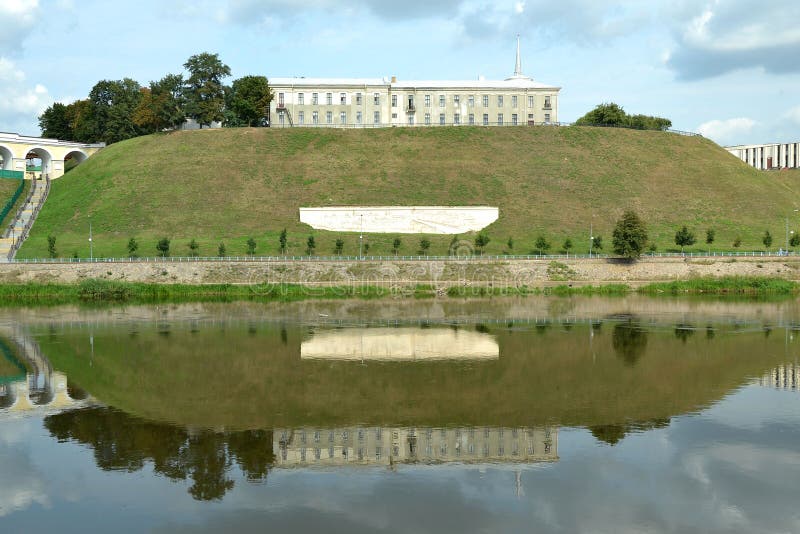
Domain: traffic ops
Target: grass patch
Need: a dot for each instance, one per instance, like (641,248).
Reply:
(728,285)
(226,192)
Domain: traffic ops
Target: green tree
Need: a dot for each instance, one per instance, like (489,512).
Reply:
(161,106)
(737,242)
(205,95)
(51,246)
(54,122)
(251,246)
(630,235)
(163,247)
(249,100)
(711,235)
(646,122)
(339,246)
(794,241)
(424,245)
(282,241)
(567,245)
(608,114)
(311,244)
(541,246)
(684,237)
(193,247)
(481,240)
(597,242)
(133,246)
(510,244)
(113,103)
(767,239)
(396,245)
(221,250)
(81,121)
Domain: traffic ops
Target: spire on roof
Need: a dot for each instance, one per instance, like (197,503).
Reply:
(518,66)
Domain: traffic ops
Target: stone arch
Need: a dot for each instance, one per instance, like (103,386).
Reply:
(7,396)
(77,156)
(45,156)
(7,157)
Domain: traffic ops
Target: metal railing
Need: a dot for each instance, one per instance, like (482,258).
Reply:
(23,235)
(391,257)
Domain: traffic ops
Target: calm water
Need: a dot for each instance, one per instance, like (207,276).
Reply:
(552,415)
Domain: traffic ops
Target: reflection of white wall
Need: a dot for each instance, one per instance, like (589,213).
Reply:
(402,220)
(400,344)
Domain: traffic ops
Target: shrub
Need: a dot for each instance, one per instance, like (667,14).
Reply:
(311,244)
(684,237)
(339,246)
(221,250)
(133,246)
(541,246)
(481,240)
(396,245)
(767,239)
(51,246)
(251,246)
(163,247)
(795,240)
(282,241)
(567,246)
(424,245)
(737,242)
(630,235)
(193,247)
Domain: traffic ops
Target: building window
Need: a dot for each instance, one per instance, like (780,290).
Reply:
(441,119)
(411,120)
(441,101)
(530,101)
(300,117)
(530,118)
(456,99)
(394,115)
(343,98)
(471,101)
(329,98)
(499,119)
(514,119)
(486,101)
(457,118)
(427,101)
(394,101)
(329,117)
(513,101)
(315,117)
(280,100)
(376,99)
(358,99)
(499,101)
(343,117)
(471,119)
(358,117)
(377,453)
(547,102)
(427,118)
(280,119)
(486,119)
(547,118)
(314,99)
(376,117)
(301,98)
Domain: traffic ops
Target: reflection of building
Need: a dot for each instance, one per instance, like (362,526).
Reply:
(389,446)
(782,377)
(400,344)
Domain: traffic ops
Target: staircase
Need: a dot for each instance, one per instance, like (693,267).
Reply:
(284,112)
(21,224)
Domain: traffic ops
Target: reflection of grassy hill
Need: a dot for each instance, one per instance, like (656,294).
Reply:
(10,365)
(234,378)
(233,183)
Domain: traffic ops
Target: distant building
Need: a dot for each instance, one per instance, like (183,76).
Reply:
(376,102)
(769,156)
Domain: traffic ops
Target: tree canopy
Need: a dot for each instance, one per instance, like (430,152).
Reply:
(630,235)
(611,114)
(205,93)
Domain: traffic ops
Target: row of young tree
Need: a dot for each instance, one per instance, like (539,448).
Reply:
(116,110)
(611,114)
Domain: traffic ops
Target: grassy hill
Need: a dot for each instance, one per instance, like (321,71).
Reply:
(228,185)
(7,188)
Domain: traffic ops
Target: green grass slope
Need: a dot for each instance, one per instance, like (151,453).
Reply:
(228,185)
(7,188)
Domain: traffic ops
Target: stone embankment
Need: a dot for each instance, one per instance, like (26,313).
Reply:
(472,272)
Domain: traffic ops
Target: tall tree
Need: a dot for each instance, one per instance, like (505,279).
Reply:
(113,103)
(54,122)
(609,114)
(205,95)
(630,235)
(250,97)
(81,121)
(162,105)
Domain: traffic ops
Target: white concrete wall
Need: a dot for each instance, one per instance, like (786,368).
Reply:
(400,220)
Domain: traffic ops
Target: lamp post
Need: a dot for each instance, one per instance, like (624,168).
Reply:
(361,237)
(591,237)
(91,249)
(787,229)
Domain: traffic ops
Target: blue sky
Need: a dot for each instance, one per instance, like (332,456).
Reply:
(729,69)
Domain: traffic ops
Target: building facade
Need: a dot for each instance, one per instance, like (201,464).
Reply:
(383,102)
(769,156)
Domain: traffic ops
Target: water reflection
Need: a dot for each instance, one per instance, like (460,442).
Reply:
(786,377)
(401,344)
(629,340)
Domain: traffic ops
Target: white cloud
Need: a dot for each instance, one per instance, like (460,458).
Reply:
(793,115)
(19,19)
(722,131)
(20,102)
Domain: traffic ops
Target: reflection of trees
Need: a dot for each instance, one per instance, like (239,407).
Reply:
(629,340)
(613,434)
(684,331)
(122,442)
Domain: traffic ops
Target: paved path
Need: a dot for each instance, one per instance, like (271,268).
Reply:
(17,231)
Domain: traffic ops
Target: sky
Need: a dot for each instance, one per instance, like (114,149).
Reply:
(729,69)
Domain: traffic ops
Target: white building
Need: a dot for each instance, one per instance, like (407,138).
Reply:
(769,156)
(382,102)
